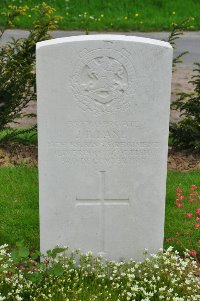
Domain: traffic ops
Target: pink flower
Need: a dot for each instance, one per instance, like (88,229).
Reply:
(181,197)
(179,205)
(197,226)
(193,187)
(198,211)
(192,253)
(197,219)
(191,200)
(198,242)
(194,193)
(189,215)
(178,190)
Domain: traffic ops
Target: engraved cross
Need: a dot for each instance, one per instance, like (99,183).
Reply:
(102,201)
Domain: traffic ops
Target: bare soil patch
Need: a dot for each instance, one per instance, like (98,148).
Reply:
(12,154)
(183,160)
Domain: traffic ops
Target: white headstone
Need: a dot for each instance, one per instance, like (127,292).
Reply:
(103,111)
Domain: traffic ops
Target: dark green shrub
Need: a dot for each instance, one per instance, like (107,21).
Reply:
(176,32)
(17,64)
(186,132)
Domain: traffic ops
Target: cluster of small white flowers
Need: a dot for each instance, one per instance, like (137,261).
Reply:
(165,276)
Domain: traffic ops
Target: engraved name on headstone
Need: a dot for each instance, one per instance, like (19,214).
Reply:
(103,118)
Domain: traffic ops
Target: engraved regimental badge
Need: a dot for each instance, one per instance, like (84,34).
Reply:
(102,80)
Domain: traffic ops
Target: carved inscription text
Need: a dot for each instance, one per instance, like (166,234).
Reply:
(105,142)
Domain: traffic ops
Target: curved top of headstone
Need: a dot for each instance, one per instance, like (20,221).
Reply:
(103,37)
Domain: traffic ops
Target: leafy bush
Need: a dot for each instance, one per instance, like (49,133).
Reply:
(186,132)
(176,32)
(17,62)
(164,276)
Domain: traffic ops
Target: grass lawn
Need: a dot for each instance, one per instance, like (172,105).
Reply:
(180,230)
(146,15)
(19,209)
(19,218)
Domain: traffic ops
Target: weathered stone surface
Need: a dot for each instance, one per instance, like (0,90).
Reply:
(103,111)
